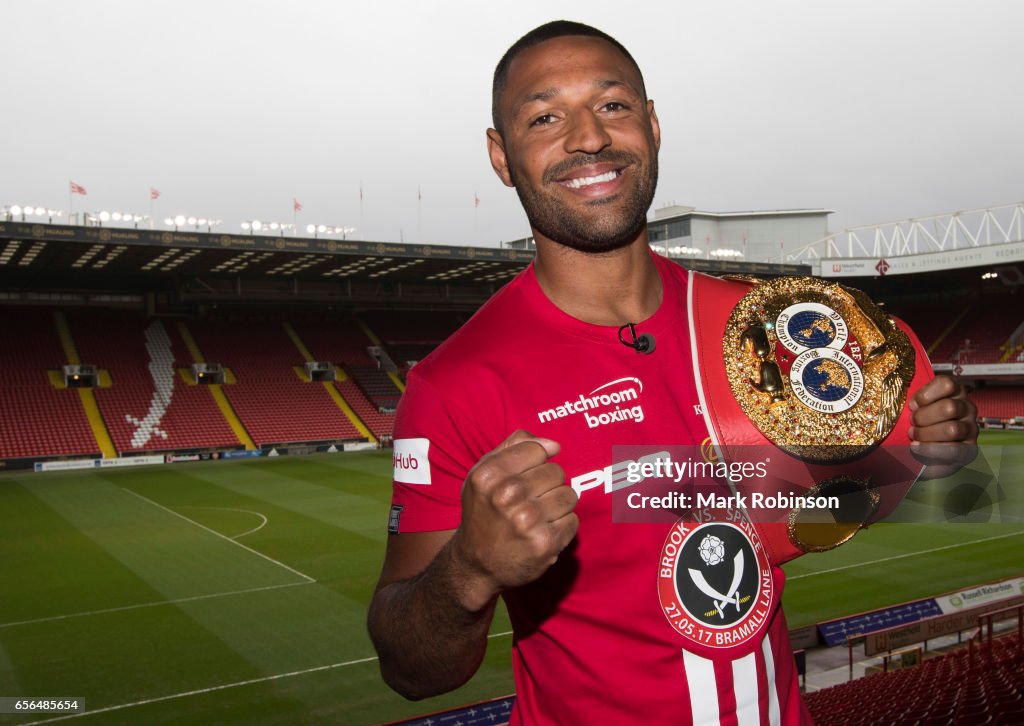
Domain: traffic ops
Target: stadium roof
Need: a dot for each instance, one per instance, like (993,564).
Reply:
(676,211)
(67,248)
(211,265)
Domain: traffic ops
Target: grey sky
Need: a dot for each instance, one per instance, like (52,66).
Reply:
(879,110)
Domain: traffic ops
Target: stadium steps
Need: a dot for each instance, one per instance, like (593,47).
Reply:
(341,403)
(275,407)
(332,391)
(377,385)
(85,395)
(1011,353)
(345,342)
(96,423)
(412,335)
(382,424)
(216,392)
(945,333)
(380,344)
(303,350)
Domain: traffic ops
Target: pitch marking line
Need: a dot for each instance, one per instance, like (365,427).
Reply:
(257,528)
(176,601)
(903,556)
(225,686)
(305,577)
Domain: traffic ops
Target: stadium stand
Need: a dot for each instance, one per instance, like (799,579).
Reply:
(932,329)
(977,686)
(980,336)
(272,401)
(381,423)
(999,402)
(410,335)
(38,419)
(147,402)
(377,385)
(345,344)
(339,341)
(149,406)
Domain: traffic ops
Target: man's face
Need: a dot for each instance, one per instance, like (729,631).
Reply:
(578,142)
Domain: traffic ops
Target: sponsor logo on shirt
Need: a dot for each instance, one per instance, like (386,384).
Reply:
(612,477)
(411,463)
(612,402)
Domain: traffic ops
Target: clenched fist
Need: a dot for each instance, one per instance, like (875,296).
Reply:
(517,516)
(945,430)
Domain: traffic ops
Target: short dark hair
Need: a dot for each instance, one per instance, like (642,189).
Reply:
(548,31)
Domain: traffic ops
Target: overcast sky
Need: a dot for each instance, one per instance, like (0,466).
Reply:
(880,110)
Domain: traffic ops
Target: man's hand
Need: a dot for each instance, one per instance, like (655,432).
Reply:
(517,517)
(437,592)
(944,434)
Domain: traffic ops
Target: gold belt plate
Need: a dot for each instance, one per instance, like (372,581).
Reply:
(817,367)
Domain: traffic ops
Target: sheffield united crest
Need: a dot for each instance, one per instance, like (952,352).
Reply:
(715,583)
(817,367)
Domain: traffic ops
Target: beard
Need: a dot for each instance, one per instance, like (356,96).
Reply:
(602,225)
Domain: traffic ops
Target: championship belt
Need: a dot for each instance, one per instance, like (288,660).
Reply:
(816,374)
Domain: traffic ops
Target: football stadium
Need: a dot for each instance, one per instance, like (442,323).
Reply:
(195,434)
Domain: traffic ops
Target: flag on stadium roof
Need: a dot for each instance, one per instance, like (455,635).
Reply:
(476,199)
(296,205)
(154,193)
(77,189)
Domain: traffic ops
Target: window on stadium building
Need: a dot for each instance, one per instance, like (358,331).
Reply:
(672,229)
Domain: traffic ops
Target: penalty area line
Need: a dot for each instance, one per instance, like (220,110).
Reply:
(159,603)
(905,555)
(203,527)
(225,686)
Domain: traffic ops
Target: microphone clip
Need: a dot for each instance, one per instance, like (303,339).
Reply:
(643,343)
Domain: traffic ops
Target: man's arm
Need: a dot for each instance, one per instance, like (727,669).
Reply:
(429,640)
(437,591)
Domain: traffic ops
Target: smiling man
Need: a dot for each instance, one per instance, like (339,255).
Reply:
(482,509)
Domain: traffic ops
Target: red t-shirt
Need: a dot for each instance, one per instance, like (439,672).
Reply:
(631,625)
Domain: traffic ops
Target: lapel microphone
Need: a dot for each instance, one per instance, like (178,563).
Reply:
(643,343)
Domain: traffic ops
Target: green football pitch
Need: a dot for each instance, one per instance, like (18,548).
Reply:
(236,592)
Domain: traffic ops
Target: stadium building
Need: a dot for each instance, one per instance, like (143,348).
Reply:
(762,236)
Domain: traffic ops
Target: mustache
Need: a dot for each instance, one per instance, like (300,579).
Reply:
(566,166)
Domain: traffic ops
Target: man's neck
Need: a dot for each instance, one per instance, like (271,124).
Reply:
(609,288)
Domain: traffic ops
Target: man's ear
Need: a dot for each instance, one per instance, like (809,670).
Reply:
(499,162)
(655,126)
